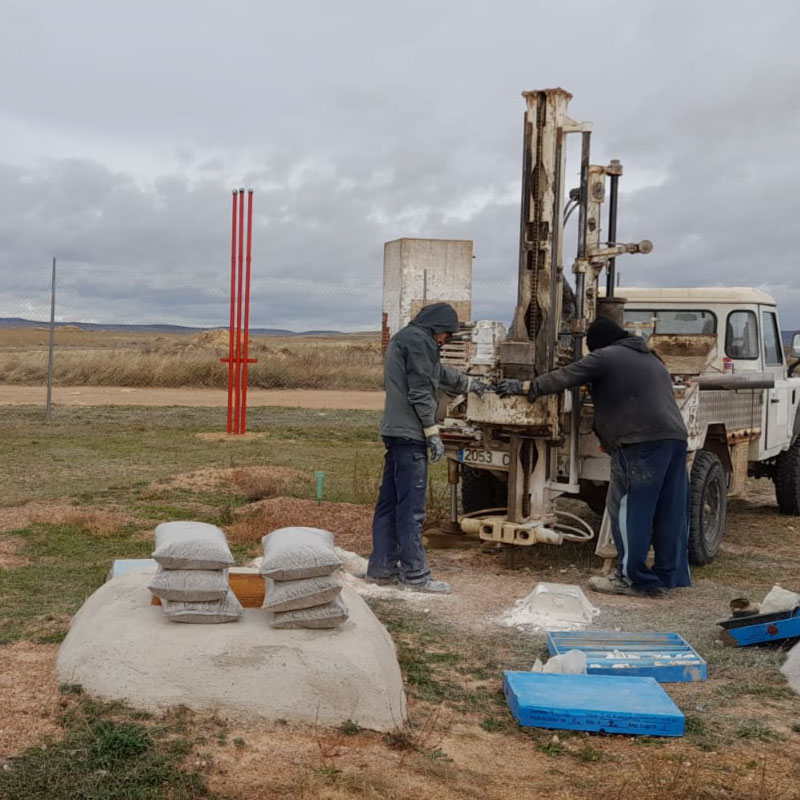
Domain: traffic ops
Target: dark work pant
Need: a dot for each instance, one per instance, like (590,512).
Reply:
(397,549)
(648,502)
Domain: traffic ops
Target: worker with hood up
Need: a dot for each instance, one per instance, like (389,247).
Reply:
(640,426)
(413,375)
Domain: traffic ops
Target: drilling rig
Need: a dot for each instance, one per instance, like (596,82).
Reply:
(513,458)
(722,346)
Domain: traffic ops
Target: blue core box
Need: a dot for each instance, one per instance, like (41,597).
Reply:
(597,703)
(667,657)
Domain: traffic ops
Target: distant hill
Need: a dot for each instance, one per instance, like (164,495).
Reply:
(787,336)
(18,322)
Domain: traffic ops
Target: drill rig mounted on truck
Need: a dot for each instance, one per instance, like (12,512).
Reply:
(527,454)
(722,347)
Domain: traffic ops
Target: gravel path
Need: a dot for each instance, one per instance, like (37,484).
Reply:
(11,395)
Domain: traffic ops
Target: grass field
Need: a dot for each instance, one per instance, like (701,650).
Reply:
(90,487)
(108,358)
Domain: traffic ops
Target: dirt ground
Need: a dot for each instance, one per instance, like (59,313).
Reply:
(12,395)
(453,755)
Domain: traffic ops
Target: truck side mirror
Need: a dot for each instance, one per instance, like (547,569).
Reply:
(796,345)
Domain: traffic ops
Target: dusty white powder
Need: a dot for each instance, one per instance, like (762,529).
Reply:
(551,606)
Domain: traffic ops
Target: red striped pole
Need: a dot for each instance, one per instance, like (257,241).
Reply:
(247,307)
(233,289)
(238,371)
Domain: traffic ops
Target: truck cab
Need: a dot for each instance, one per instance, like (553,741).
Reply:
(747,341)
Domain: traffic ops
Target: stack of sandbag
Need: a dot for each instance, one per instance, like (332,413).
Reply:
(301,590)
(192,578)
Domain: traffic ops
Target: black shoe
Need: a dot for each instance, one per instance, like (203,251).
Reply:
(656,593)
(616,584)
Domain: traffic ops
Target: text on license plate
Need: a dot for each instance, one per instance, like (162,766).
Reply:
(488,458)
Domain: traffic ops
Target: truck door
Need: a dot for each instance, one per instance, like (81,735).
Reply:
(776,412)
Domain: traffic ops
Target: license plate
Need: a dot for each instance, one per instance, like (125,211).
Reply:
(486,458)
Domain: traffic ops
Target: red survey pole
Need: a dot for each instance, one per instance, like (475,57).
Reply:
(239,339)
(238,374)
(233,303)
(247,307)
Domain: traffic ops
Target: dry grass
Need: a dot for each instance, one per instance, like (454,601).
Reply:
(252,483)
(30,696)
(346,361)
(350,523)
(99,522)
(9,552)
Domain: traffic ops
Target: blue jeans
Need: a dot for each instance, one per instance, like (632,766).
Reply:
(397,549)
(648,502)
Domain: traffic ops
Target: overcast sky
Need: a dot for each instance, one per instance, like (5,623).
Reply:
(124,127)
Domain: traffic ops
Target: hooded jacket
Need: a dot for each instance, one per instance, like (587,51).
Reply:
(413,374)
(631,390)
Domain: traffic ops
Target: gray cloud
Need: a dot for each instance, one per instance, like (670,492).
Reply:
(359,122)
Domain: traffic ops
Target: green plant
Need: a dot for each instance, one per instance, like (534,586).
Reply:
(103,756)
(589,754)
(695,726)
(492,725)
(758,730)
(350,728)
(553,747)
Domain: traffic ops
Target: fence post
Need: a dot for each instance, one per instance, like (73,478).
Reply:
(52,338)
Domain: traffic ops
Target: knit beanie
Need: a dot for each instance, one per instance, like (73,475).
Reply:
(603,332)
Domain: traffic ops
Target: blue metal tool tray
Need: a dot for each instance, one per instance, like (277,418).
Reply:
(598,703)
(759,628)
(667,657)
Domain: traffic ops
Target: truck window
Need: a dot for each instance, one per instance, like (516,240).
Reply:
(645,322)
(741,335)
(772,342)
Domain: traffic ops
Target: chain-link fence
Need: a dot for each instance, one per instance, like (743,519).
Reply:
(115,329)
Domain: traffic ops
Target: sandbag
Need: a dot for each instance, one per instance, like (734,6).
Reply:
(189,585)
(299,552)
(331,615)
(303,593)
(229,609)
(191,545)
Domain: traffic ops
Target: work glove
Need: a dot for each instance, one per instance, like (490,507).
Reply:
(436,446)
(478,387)
(510,386)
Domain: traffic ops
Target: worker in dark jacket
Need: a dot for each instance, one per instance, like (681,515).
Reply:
(413,376)
(640,426)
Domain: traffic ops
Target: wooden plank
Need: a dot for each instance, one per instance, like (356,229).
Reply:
(248,587)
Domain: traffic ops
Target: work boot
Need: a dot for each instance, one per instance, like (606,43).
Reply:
(616,584)
(429,587)
(387,581)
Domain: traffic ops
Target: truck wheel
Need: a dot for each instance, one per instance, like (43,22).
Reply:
(594,495)
(708,504)
(787,480)
(480,489)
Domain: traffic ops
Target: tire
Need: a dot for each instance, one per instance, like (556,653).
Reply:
(480,489)
(708,504)
(594,495)
(787,479)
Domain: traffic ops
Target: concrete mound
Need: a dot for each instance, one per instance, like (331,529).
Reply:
(120,647)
